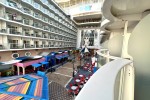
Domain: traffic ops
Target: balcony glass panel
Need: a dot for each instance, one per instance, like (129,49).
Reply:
(26,21)
(26,10)
(36,5)
(13,30)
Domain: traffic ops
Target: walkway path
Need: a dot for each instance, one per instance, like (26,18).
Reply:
(61,76)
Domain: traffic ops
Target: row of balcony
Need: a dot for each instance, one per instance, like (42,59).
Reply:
(29,46)
(88,20)
(57,29)
(36,35)
(51,7)
(89,26)
(20,7)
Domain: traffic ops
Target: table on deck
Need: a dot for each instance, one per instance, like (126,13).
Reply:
(80,75)
(74,87)
(77,80)
(23,65)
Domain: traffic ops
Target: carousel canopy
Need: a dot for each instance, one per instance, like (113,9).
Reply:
(25,87)
(10,62)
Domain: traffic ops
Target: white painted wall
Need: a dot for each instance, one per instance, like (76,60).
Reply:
(2,25)
(139,49)
(5,41)
(114,44)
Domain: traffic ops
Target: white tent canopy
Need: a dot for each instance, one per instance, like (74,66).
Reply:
(10,62)
(86,50)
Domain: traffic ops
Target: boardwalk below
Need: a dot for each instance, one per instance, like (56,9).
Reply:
(59,79)
(58,92)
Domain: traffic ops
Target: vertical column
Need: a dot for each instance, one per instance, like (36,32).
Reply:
(126,37)
(78,38)
(18,70)
(107,59)
(126,89)
(23,69)
(98,38)
(20,42)
(5,42)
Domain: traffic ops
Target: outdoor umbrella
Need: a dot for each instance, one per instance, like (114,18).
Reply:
(84,50)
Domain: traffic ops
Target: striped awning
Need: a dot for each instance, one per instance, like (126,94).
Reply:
(65,55)
(26,87)
(59,56)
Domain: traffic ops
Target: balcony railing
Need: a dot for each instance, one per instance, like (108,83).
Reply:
(32,46)
(51,45)
(3,31)
(37,35)
(26,11)
(39,46)
(1,47)
(15,46)
(28,45)
(14,32)
(32,34)
(44,36)
(27,22)
(14,4)
(118,84)
(27,34)
(105,78)
(13,17)
(46,45)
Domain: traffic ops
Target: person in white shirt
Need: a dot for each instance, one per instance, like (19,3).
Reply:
(94,60)
(86,42)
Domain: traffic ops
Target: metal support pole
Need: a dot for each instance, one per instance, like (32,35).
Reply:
(73,68)
(80,60)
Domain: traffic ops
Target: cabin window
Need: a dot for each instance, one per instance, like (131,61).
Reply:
(15,55)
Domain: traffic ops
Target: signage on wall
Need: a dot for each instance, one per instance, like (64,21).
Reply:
(85,8)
